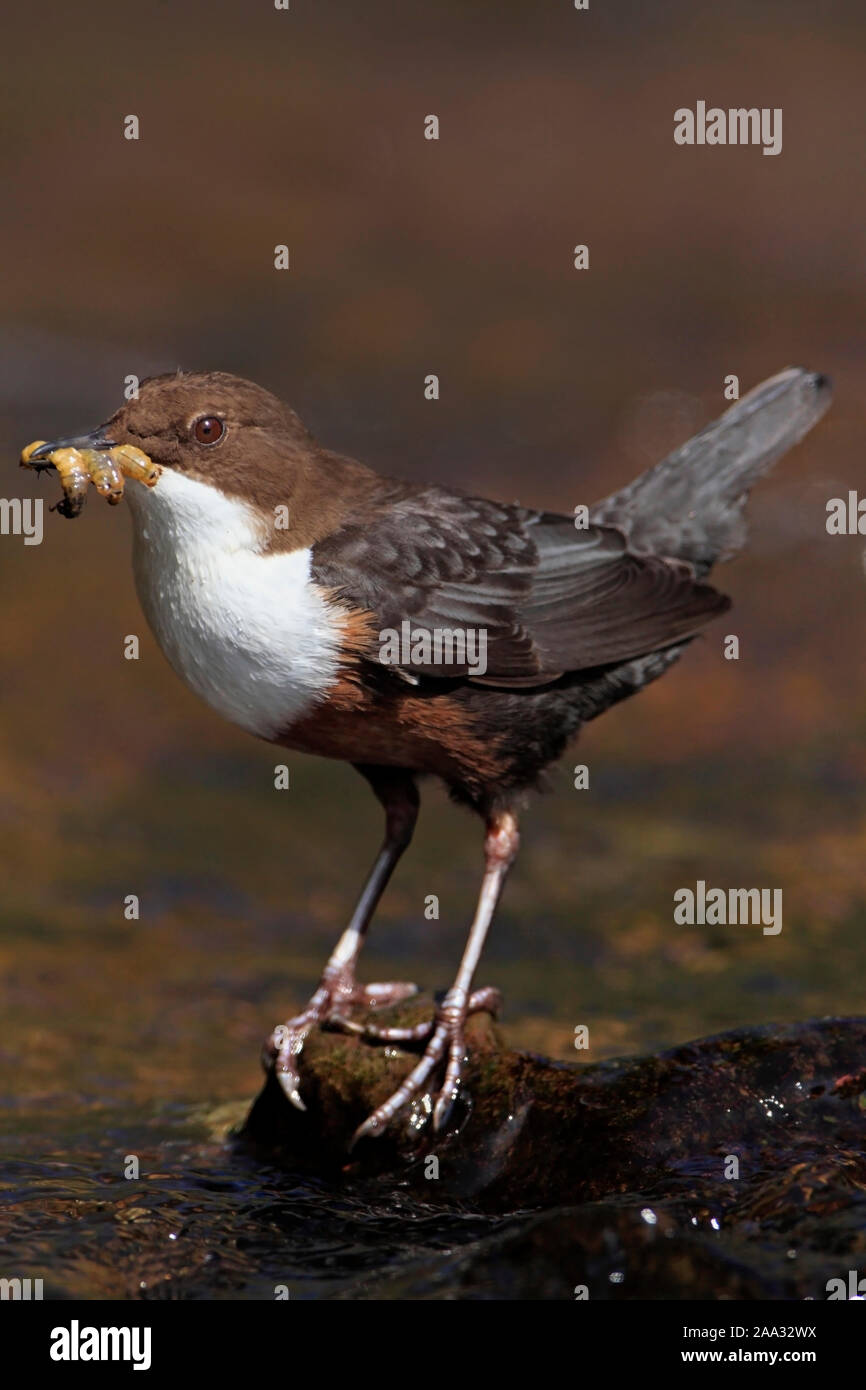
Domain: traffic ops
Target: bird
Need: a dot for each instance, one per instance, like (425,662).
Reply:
(415,631)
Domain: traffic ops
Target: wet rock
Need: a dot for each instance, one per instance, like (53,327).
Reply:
(759,1122)
(731,1167)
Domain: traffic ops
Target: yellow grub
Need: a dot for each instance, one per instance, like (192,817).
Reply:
(136,464)
(105,468)
(31,449)
(74,478)
(105,474)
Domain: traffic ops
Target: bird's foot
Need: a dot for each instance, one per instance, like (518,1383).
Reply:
(446,1032)
(338,990)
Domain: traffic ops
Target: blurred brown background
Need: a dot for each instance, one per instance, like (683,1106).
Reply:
(409,257)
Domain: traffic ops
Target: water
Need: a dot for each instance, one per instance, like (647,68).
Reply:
(140,1037)
(203,1221)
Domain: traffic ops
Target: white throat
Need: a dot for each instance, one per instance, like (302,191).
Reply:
(247,631)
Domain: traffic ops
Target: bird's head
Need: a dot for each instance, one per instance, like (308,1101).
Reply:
(229,434)
(217,428)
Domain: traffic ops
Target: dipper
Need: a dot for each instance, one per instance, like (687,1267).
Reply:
(412,630)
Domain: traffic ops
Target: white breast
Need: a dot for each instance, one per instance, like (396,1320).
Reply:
(245,630)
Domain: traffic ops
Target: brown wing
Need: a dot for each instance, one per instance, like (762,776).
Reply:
(549,598)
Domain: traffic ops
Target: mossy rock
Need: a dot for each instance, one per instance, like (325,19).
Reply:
(752,1124)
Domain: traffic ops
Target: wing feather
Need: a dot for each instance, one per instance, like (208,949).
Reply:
(549,598)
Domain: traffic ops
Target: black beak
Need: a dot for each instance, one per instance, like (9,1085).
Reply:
(97,439)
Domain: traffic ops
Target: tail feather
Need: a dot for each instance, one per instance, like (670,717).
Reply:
(690,506)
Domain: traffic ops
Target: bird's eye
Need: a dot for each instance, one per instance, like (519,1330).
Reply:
(208,429)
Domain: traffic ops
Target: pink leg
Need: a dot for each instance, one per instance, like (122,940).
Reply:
(338,988)
(486,1000)
(447,1029)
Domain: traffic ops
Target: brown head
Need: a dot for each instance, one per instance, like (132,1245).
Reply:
(237,437)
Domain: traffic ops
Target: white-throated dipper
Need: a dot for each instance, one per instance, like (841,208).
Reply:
(411,630)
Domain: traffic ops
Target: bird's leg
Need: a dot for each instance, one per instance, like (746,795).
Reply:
(486,1000)
(447,1039)
(338,988)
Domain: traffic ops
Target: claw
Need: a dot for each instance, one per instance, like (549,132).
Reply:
(370,1129)
(445,1031)
(335,990)
(443,1107)
(375,1124)
(286,1043)
(454,1070)
(290,1090)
